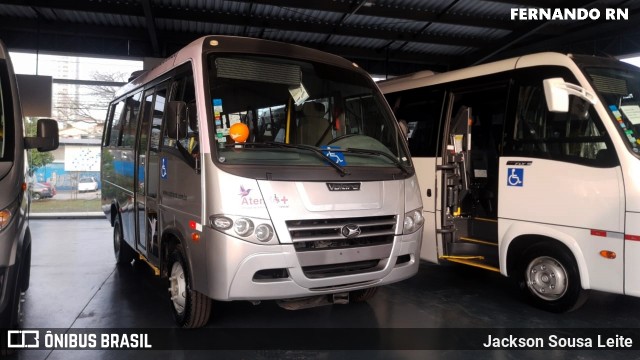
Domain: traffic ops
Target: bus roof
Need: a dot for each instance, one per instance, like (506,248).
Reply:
(546,58)
(234,44)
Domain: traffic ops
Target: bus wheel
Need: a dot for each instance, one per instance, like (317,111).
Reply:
(190,308)
(363,294)
(550,280)
(123,252)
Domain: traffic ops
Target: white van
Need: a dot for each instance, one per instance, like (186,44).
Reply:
(15,238)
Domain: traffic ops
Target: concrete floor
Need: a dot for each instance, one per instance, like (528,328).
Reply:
(75,284)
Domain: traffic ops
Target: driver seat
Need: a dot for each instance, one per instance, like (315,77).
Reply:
(312,125)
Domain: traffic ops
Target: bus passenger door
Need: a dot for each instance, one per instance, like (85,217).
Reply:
(141,173)
(149,172)
(468,175)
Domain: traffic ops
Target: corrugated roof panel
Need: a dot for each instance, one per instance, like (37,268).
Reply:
(199,27)
(385,23)
(18,11)
(437,49)
(466,31)
(280,12)
(195,4)
(100,18)
(489,9)
(294,36)
(360,42)
(416,5)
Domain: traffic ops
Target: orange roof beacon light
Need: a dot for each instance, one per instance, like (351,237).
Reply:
(239,132)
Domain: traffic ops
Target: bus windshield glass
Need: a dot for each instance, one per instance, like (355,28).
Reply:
(620,90)
(274,111)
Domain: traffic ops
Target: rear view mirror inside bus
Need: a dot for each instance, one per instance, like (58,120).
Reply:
(177,119)
(557,91)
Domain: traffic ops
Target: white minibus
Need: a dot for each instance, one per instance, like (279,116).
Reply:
(531,167)
(247,169)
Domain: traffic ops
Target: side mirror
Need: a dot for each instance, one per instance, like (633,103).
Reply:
(557,91)
(46,138)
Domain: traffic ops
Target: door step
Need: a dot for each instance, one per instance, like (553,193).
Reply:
(477,241)
(475,261)
(156,270)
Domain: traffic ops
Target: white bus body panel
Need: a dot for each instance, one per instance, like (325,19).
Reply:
(632,254)
(566,206)
(426,173)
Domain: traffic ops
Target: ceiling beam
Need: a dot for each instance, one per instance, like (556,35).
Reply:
(151,27)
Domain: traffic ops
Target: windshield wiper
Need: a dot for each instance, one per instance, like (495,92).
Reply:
(395,161)
(312,149)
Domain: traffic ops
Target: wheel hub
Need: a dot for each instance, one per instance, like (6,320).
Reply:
(178,287)
(547,278)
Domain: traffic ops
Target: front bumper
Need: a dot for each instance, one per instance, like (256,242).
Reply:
(232,265)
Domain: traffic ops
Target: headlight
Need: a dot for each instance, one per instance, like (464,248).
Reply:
(243,227)
(413,221)
(5,217)
(7,213)
(259,231)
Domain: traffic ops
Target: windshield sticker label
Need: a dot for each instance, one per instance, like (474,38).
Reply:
(220,137)
(616,113)
(515,176)
(334,154)
(632,113)
(217,109)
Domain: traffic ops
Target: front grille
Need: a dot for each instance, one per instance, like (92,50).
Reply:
(310,235)
(322,271)
(324,251)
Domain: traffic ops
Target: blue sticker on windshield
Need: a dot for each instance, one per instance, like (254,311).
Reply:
(335,154)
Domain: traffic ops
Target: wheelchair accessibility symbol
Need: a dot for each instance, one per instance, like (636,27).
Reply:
(515,176)
(163,169)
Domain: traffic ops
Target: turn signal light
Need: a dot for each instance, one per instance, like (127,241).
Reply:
(195,237)
(608,254)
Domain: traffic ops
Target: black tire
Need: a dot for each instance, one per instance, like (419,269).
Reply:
(123,252)
(25,273)
(35,196)
(190,308)
(11,317)
(549,278)
(363,294)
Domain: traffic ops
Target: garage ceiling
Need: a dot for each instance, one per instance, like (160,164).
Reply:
(383,36)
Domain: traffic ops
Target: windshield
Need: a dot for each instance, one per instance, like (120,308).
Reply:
(288,112)
(620,90)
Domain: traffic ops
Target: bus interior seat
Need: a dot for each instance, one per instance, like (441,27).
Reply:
(312,125)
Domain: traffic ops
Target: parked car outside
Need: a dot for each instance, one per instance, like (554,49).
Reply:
(87,184)
(41,191)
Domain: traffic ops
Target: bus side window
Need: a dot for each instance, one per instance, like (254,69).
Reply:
(115,125)
(130,121)
(184,136)
(576,136)
(422,110)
